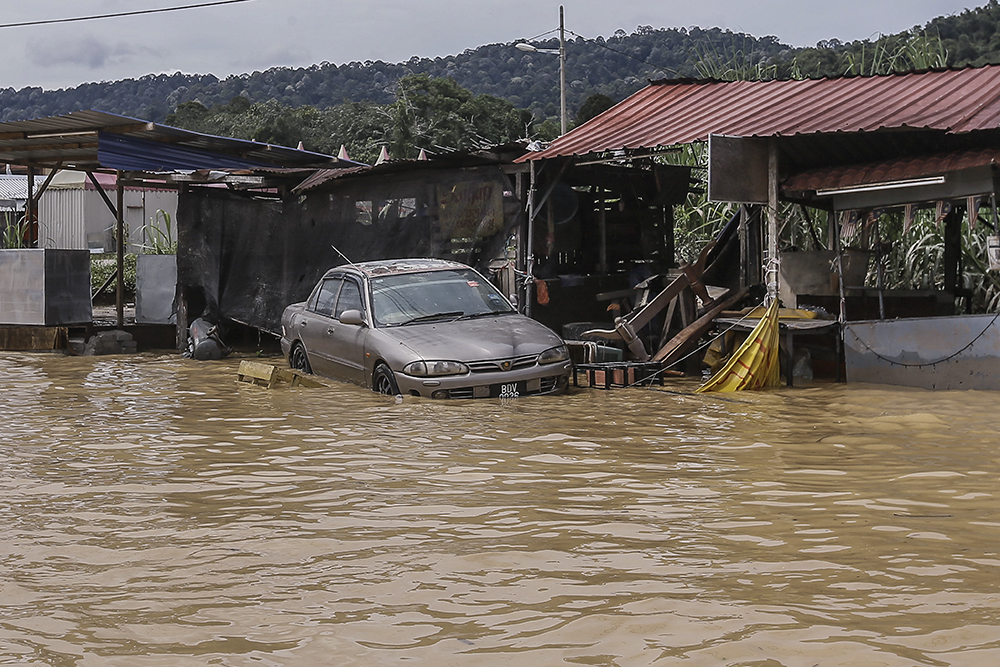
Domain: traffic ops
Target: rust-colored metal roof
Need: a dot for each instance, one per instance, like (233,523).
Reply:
(674,112)
(891,170)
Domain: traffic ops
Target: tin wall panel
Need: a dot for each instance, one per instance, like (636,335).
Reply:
(930,352)
(61,220)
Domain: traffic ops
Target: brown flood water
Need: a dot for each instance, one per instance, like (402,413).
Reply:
(155,512)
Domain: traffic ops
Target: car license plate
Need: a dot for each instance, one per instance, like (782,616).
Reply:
(507,390)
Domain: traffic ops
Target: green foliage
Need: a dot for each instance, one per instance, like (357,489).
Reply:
(160,235)
(593,106)
(14,232)
(896,53)
(439,114)
(435,114)
(915,260)
(616,66)
(737,61)
(103,266)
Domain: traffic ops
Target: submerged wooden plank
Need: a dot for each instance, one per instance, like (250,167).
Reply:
(255,372)
(33,338)
(269,375)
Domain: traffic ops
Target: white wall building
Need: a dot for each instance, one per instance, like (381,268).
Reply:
(73,215)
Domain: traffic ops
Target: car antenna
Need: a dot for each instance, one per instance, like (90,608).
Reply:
(345,257)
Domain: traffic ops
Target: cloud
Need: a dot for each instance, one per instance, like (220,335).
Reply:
(87,52)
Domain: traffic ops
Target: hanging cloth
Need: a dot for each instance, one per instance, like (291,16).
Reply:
(754,365)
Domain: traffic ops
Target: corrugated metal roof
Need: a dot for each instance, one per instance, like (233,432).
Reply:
(452,160)
(15,186)
(72,140)
(674,112)
(891,170)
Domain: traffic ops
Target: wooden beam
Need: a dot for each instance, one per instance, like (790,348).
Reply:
(104,195)
(682,343)
(48,179)
(126,129)
(642,317)
(49,147)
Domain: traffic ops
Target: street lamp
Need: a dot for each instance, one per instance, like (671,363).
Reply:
(561,52)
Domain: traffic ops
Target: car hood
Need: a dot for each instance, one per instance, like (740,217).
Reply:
(477,339)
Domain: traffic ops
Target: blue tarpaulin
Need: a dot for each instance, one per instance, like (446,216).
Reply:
(118,151)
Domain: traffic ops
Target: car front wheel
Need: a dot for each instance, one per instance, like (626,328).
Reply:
(298,360)
(383,381)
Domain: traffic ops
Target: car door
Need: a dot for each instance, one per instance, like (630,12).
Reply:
(347,341)
(315,322)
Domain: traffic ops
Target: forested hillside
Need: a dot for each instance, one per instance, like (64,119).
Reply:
(616,67)
(284,105)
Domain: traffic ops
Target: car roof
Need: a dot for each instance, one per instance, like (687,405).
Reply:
(385,267)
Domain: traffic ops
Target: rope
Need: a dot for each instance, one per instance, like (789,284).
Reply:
(927,363)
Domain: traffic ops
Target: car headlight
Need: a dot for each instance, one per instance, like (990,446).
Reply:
(435,368)
(554,354)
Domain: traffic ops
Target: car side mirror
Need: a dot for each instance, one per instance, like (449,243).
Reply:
(352,316)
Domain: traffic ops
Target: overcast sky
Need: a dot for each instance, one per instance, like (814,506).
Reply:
(257,34)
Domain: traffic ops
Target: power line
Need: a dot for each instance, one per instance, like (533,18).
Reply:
(622,53)
(110,16)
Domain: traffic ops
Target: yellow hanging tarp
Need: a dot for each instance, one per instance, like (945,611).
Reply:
(755,364)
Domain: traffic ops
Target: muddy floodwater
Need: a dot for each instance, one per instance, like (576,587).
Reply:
(153,511)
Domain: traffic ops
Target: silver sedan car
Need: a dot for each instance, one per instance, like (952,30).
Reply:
(423,327)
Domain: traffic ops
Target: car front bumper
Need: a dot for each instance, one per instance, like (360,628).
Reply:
(536,380)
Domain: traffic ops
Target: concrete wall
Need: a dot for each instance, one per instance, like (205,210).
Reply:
(155,284)
(45,287)
(933,352)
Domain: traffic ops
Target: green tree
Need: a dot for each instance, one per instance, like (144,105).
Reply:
(437,113)
(593,106)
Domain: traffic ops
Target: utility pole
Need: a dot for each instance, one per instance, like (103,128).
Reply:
(562,70)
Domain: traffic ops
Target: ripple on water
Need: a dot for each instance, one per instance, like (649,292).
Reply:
(155,512)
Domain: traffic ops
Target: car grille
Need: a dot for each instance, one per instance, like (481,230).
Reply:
(548,385)
(494,365)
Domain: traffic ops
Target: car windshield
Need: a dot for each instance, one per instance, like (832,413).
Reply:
(432,295)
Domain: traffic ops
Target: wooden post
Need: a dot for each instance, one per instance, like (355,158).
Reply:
(952,249)
(602,222)
(120,249)
(744,246)
(772,219)
(669,244)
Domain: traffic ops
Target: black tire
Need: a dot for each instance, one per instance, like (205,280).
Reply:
(298,359)
(383,381)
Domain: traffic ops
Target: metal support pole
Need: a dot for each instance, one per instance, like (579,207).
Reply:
(29,209)
(529,253)
(120,249)
(562,71)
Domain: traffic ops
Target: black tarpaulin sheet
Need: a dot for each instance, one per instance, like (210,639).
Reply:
(245,259)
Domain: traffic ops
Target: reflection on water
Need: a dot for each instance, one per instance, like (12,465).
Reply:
(155,512)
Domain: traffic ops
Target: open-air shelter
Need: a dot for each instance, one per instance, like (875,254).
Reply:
(142,153)
(852,146)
